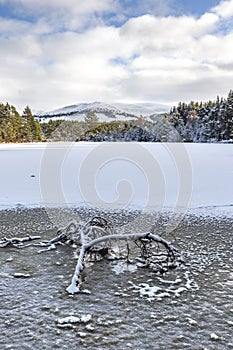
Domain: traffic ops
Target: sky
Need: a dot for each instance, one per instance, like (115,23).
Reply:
(61,52)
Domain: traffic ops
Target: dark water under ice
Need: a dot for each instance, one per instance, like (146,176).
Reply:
(127,307)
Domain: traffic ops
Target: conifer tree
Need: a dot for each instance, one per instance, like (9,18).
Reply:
(32,128)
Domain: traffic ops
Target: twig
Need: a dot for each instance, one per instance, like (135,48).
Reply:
(54,241)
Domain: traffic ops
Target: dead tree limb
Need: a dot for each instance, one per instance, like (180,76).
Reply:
(95,238)
(17,242)
(64,236)
(74,287)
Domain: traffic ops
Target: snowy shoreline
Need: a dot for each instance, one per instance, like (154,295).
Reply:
(117,175)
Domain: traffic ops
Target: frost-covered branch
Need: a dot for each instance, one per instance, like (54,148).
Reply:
(133,236)
(75,284)
(64,236)
(52,243)
(95,238)
(17,242)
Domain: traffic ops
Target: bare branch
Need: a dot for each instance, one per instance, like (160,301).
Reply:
(76,280)
(95,238)
(17,242)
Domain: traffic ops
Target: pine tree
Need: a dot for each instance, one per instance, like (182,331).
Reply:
(10,124)
(32,128)
(229,116)
(91,118)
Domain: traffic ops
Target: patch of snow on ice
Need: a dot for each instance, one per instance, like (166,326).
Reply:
(86,318)
(214,336)
(69,319)
(75,319)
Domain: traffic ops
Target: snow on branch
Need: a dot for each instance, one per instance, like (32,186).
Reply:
(96,239)
(98,226)
(17,242)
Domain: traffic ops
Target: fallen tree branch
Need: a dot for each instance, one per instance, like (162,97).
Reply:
(95,238)
(64,236)
(17,242)
(74,287)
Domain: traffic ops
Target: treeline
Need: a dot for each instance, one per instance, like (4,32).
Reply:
(66,130)
(139,130)
(18,128)
(132,130)
(204,122)
(193,122)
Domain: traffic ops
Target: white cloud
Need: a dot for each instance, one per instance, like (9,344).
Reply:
(18,28)
(176,55)
(169,34)
(207,22)
(162,59)
(79,7)
(224,9)
(60,68)
(63,14)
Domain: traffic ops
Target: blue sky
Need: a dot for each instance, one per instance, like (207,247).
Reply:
(60,52)
(128,9)
(196,7)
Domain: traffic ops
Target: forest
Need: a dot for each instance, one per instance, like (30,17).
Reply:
(204,122)
(210,121)
(18,128)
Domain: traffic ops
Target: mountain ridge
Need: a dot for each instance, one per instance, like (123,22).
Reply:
(106,111)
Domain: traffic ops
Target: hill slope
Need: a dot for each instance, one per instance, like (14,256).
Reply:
(106,112)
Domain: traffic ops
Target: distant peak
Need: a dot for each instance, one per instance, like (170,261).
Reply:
(107,111)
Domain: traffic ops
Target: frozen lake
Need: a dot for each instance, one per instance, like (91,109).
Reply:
(185,188)
(117,175)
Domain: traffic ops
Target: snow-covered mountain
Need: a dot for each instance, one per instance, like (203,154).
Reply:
(106,112)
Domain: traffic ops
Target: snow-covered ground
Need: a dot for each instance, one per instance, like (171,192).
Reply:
(117,175)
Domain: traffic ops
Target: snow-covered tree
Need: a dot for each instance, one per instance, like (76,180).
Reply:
(210,121)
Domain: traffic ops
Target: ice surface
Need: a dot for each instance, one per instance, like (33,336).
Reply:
(124,175)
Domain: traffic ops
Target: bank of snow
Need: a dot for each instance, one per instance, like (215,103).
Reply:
(122,175)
